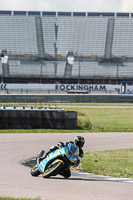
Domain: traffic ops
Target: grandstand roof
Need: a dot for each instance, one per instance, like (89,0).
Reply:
(59,14)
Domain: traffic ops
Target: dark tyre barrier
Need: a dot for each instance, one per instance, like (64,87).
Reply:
(25,118)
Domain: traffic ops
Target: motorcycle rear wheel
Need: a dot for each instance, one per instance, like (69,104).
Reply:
(53,170)
(35,171)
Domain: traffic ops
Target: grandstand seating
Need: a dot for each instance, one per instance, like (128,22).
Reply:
(60,69)
(126,71)
(48,70)
(84,36)
(123,38)
(18,35)
(84,70)
(93,69)
(49,34)
(98,41)
(29,70)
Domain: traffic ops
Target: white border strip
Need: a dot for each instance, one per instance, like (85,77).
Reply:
(100,177)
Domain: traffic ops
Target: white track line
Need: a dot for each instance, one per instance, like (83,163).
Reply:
(100,177)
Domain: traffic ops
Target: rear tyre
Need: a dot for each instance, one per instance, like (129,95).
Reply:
(35,171)
(53,169)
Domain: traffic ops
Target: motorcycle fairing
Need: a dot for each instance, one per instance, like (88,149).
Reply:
(49,159)
(66,153)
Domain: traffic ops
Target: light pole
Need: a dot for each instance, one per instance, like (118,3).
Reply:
(78,67)
(4,62)
(41,72)
(79,71)
(116,60)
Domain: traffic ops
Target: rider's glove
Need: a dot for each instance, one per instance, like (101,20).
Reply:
(53,148)
(61,144)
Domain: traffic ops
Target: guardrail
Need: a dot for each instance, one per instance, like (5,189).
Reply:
(67,98)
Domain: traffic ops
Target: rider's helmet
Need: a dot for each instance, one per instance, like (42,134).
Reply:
(79,141)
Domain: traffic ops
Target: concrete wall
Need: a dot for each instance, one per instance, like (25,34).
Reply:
(74,98)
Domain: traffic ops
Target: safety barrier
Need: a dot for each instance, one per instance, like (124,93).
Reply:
(67,98)
(34,118)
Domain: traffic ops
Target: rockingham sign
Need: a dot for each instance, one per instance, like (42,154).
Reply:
(72,87)
(60,87)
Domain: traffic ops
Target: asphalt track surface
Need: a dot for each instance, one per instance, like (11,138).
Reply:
(16,181)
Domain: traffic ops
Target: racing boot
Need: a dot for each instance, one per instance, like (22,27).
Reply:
(40,156)
(66,172)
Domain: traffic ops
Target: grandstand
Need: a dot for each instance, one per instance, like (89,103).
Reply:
(39,44)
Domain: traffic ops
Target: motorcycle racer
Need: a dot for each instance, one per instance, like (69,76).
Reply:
(78,141)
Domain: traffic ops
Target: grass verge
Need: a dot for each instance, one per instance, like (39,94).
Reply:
(42,131)
(11,198)
(105,119)
(92,119)
(116,163)
(67,104)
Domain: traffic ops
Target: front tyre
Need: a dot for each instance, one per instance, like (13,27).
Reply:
(35,171)
(53,169)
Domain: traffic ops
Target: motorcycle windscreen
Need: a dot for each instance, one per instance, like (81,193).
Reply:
(73,152)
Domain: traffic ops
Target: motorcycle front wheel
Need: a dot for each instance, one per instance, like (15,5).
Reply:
(35,171)
(53,169)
